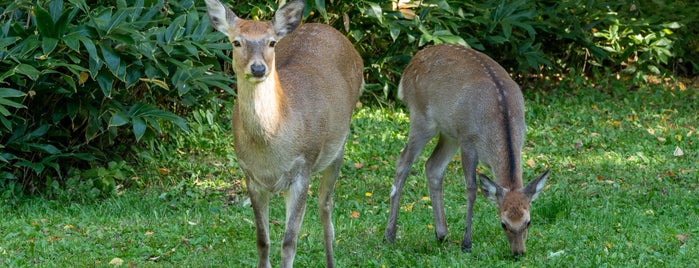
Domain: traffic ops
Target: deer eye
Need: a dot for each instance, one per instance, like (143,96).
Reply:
(528,222)
(272,43)
(503,225)
(236,43)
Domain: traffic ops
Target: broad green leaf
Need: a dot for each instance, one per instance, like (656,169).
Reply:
(6,102)
(28,70)
(48,45)
(117,20)
(105,82)
(36,167)
(320,5)
(4,42)
(375,11)
(47,148)
(139,127)
(72,41)
(113,61)
(11,93)
(118,119)
(4,112)
(44,22)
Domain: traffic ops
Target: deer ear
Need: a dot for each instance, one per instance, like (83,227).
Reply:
(532,190)
(288,17)
(491,190)
(222,18)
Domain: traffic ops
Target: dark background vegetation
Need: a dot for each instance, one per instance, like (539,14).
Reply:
(90,90)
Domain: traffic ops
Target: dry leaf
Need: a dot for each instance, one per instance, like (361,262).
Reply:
(354,215)
(531,163)
(358,165)
(682,238)
(116,262)
(678,152)
(651,131)
(163,171)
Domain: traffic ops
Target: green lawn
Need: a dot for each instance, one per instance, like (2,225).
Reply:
(619,194)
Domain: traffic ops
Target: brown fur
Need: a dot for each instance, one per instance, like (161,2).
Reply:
(297,88)
(470,102)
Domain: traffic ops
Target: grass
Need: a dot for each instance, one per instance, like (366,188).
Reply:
(619,194)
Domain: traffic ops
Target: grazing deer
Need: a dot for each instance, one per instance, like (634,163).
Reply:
(472,103)
(297,88)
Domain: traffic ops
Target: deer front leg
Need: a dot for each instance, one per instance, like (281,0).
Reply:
(417,139)
(435,167)
(295,209)
(259,198)
(469,161)
(325,207)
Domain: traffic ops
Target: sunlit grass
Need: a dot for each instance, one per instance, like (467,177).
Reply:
(619,194)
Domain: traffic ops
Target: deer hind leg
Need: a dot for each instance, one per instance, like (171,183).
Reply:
(420,133)
(469,162)
(435,167)
(296,196)
(325,206)
(259,198)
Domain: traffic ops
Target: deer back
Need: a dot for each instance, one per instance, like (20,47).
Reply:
(470,96)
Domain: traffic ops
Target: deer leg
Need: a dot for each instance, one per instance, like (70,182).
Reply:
(325,206)
(419,135)
(435,167)
(296,196)
(259,198)
(469,162)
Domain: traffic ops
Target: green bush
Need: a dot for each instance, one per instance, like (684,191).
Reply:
(87,83)
(527,37)
(84,82)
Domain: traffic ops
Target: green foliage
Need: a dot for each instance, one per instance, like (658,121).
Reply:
(549,38)
(83,81)
(617,196)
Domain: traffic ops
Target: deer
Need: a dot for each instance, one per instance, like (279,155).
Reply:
(297,86)
(472,104)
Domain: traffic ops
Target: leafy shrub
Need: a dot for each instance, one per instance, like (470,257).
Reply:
(83,82)
(527,37)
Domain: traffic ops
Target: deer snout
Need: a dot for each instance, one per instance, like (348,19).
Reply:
(258,70)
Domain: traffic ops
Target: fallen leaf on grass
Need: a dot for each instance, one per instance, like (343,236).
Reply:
(116,262)
(651,131)
(358,165)
(682,238)
(556,254)
(531,163)
(163,171)
(354,215)
(678,152)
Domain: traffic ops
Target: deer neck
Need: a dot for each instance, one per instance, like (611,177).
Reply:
(261,106)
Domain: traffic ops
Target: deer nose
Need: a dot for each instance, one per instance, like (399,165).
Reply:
(258,70)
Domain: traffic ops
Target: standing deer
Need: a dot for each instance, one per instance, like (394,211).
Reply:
(297,88)
(471,102)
